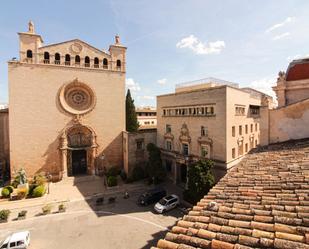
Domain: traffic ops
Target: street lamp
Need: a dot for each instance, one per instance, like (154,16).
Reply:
(49,177)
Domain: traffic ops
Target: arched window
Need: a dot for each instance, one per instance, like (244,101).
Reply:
(29,55)
(96,62)
(105,63)
(77,60)
(46,57)
(87,61)
(67,59)
(118,64)
(57,58)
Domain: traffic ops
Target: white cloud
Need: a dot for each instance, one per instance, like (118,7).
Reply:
(132,85)
(199,47)
(281,24)
(296,57)
(265,85)
(3,106)
(162,81)
(148,97)
(281,36)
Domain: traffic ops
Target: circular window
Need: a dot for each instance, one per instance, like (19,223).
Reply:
(76,48)
(77,98)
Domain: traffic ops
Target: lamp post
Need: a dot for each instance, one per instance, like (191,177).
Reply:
(49,177)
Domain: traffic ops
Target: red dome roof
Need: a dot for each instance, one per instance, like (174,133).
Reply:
(298,70)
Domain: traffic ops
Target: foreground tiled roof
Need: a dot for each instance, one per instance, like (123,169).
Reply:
(261,203)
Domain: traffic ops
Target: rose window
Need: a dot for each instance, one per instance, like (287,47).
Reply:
(77,98)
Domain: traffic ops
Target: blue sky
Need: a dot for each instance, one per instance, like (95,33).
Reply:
(247,42)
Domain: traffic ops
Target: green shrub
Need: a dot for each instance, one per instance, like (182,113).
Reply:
(38,191)
(61,208)
(10,188)
(31,188)
(5,193)
(154,167)
(47,209)
(113,171)
(111,181)
(200,180)
(4,215)
(39,179)
(138,173)
(22,214)
(16,181)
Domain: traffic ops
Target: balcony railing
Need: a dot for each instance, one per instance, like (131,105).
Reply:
(46,61)
(57,62)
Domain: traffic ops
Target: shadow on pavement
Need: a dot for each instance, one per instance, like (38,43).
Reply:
(101,205)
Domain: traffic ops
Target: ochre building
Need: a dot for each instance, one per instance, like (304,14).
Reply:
(67,106)
(146,118)
(212,119)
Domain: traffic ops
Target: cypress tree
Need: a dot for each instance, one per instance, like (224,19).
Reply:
(131,118)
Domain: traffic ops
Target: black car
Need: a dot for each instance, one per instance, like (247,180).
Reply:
(151,196)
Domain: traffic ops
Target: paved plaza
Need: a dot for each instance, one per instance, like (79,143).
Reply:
(86,225)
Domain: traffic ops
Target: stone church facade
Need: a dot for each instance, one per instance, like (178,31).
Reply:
(67,107)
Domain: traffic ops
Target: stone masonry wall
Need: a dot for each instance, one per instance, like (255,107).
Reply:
(37,121)
(290,122)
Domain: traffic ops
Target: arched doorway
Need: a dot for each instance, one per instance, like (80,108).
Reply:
(79,150)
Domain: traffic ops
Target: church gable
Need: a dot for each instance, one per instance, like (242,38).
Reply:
(73,48)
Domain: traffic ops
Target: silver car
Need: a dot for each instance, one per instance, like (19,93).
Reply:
(167,203)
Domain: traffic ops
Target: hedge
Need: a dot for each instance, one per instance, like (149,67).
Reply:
(4,215)
(5,193)
(113,171)
(38,191)
(112,181)
(10,188)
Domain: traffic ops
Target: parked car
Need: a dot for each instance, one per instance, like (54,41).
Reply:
(151,196)
(167,203)
(19,240)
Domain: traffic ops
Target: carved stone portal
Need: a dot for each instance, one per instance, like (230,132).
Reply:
(78,138)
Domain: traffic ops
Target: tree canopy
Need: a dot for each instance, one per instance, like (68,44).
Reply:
(155,169)
(131,118)
(200,180)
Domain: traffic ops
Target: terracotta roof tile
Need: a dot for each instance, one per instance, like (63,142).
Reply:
(263,202)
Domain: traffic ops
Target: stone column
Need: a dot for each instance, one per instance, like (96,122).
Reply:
(93,155)
(64,149)
(64,163)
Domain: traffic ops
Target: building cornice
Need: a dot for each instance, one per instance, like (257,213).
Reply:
(65,67)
